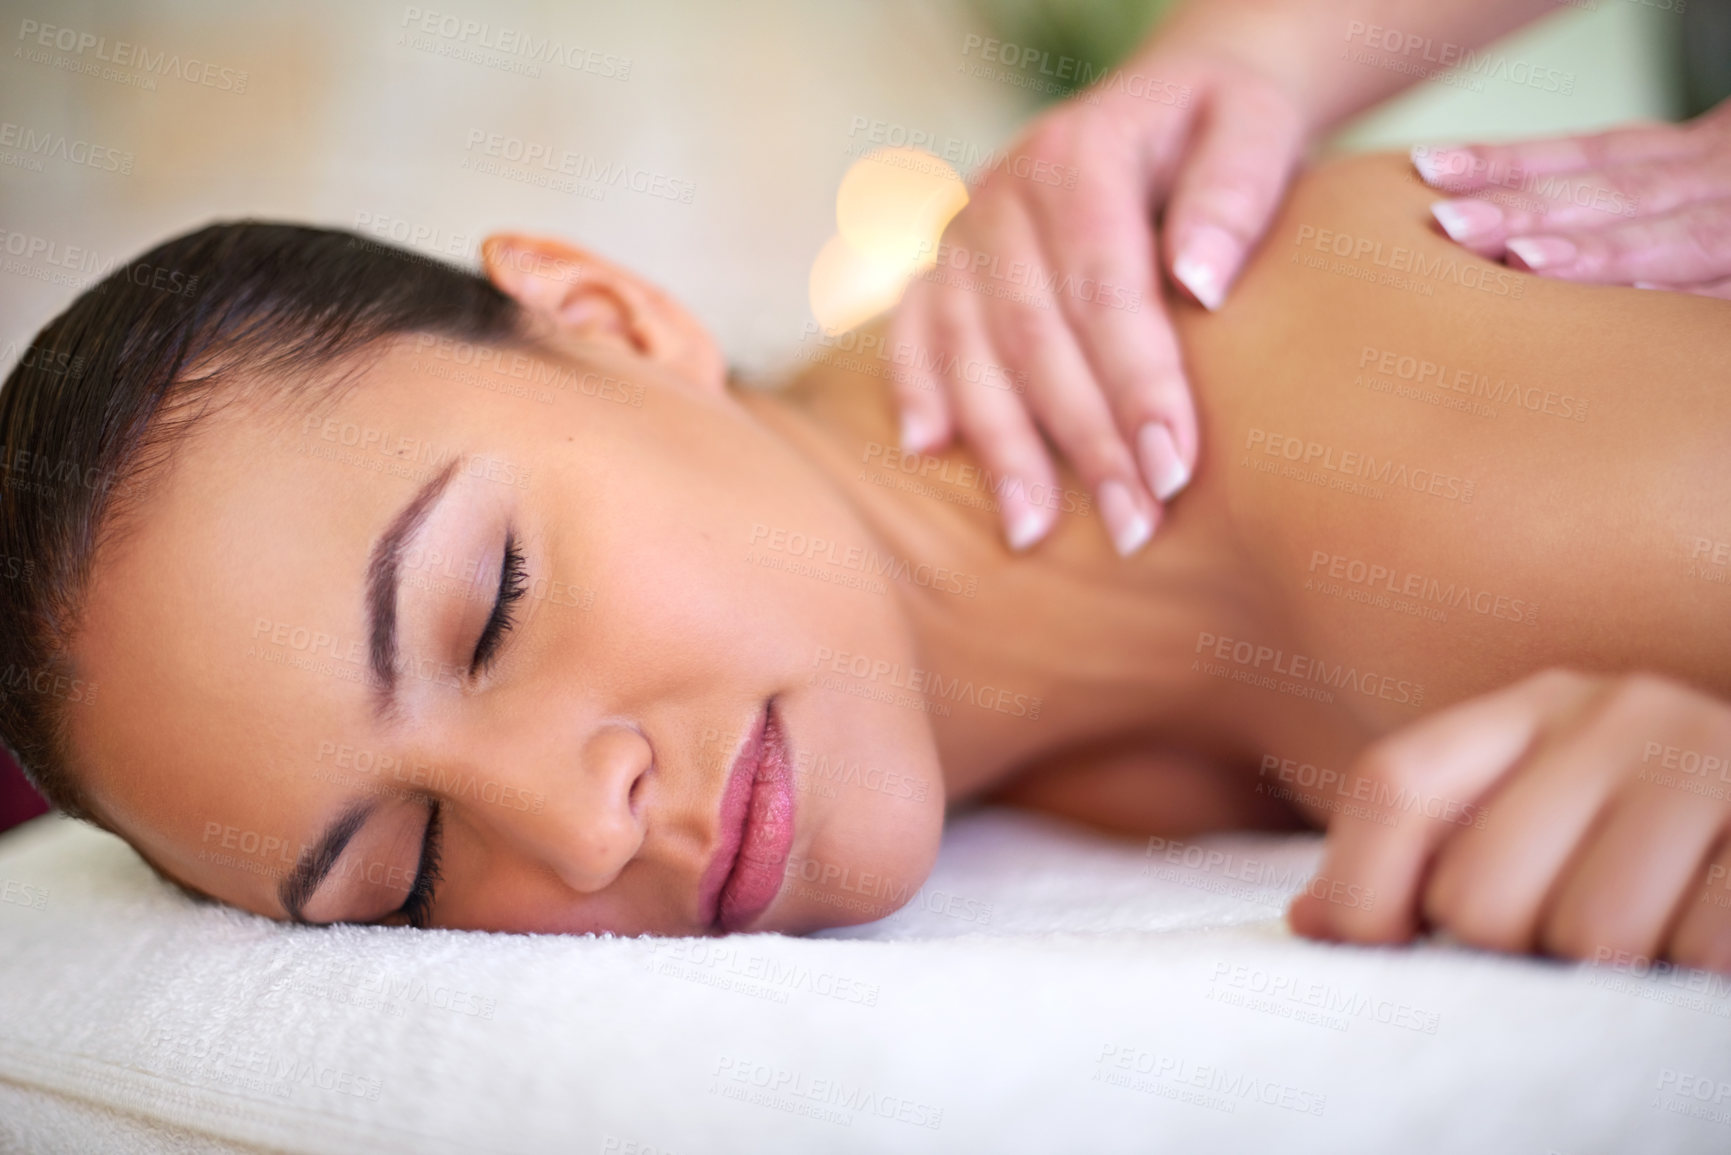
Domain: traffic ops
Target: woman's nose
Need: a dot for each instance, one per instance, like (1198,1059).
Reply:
(595,819)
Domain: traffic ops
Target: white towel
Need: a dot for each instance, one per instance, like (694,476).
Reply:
(1047,990)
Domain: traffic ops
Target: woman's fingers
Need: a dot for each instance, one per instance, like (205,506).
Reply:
(1633,874)
(1057,274)
(1491,885)
(1248,142)
(995,423)
(1067,399)
(1702,934)
(926,422)
(1099,247)
(1720,289)
(1691,245)
(1650,204)
(1470,168)
(1425,783)
(1584,201)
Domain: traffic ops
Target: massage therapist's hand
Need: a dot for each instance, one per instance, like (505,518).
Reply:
(1074,308)
(1648,205)
(1578,815)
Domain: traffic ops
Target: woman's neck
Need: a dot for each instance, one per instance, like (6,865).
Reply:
(1028,655)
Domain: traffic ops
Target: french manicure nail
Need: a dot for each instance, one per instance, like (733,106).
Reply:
(1023,524)
(1165,470)
(1464,220)
(1129,528)
(1204,263)
(917,432)
(1535,253)
(1436,164)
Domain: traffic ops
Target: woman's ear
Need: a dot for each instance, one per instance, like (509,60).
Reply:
(584,299)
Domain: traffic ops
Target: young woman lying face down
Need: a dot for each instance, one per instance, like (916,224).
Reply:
(418,600)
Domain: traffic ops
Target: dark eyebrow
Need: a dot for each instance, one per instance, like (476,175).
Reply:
(311,869)
(382,575)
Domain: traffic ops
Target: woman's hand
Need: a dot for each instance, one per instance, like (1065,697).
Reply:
(1647,206)
(1573,814)
(1061,284)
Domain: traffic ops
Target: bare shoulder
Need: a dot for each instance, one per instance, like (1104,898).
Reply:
(1451,473)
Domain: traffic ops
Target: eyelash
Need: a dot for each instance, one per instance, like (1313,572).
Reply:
(513,584)
(419,905)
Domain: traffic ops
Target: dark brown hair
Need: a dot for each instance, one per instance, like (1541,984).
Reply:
(107,389)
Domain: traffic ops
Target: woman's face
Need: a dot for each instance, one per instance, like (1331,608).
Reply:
(522,591)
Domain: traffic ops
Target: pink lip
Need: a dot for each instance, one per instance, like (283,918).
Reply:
(757,830)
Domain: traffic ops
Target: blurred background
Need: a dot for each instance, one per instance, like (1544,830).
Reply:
(702,144)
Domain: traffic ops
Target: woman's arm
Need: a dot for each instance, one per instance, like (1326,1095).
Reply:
(1136,789)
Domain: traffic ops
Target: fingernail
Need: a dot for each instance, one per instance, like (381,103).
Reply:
(1434,164)
(1465,219)
(1129,528)
(1535,253)
(1161,465)
(1205,262)
(917,432)
(1023,524)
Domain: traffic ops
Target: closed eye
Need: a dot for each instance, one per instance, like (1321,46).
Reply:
(418,908)
(513,584)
